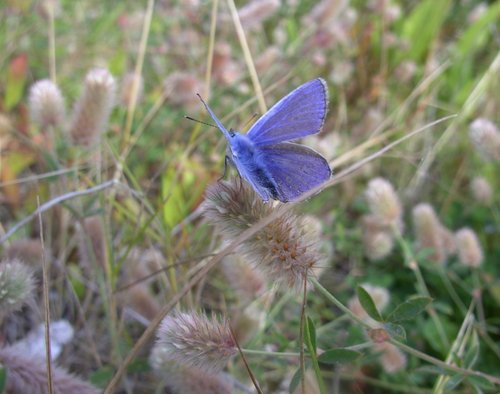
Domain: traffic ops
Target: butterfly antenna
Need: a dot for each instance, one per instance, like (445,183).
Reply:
(251,119)
(199,121)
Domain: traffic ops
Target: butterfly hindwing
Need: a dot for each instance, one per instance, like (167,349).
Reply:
(294,169)
(300,113)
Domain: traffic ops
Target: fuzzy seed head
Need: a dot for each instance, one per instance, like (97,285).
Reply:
(181,89)
(195,340)
(429,232)
(27,250)
(283,250)
(254,13)
(91,245)
(46,104)
(481,190)
(248,281)
(378,245)
(378,240)
(17,285)
(392,359)
(29,375)
(470,252)
(91,113)
(485,137)
(132,86)
(383,201)
(184,379)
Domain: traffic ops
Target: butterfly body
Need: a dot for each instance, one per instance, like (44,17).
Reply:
(275,167)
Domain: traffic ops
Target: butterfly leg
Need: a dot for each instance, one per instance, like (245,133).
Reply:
(226,159)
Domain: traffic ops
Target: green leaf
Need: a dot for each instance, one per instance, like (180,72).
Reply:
(409,309)
(453,382)
(339,355)
(480,382)
(368,304)
(102,376)
(310,335)
(422,26)
(3,378)
(472,353)
(396,331)
(310,340)
(295,381)
(16,80)
(472,39)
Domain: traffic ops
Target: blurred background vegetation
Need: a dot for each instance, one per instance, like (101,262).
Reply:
(392,67)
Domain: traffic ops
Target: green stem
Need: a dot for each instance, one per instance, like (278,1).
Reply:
(402,346)
(411,262)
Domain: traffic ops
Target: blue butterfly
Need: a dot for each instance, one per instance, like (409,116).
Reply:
(264,157)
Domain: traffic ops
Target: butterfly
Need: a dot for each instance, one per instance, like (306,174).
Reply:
(265,156)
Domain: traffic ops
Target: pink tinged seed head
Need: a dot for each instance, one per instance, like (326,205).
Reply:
(470,252)
(485,137)
(383,201)
(92,110)
(46,104)
(194,339)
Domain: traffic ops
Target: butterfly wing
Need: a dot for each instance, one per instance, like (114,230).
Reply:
(294,169)
(302,112)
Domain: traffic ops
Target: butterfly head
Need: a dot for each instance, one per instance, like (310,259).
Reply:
(241,146)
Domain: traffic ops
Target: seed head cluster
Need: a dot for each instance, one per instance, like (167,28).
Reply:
(283,249)
(93,108)
(385,218)
(485,136)
(195,340)
(46,104)
(16,286)
(431,234)
(470,252)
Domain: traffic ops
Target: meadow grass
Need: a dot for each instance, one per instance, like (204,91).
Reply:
(114,220)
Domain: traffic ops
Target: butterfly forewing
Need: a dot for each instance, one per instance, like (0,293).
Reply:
(295,169)
(300,113)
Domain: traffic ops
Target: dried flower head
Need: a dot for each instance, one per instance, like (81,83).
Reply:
(92,110)
(380,297)
(469,249)
(326,12)
(132,86)
(181,89)
(481,190)
(257,11)
(184,379)
(378,245)
(248,281)
(282,249)
(27,250)
(485,136)
(16,286)
(140,298)
(342,72)
(195,340)
(392,359)
(91,245)
(270,56)
(429,232)
(383,201)
(378,238)
(29,375)
(46,104)
(405,71)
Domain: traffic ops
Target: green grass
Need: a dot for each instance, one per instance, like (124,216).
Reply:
(161,164)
